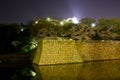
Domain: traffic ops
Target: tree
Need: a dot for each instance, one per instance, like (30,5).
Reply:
(44,28)
(111,27)
(87,21)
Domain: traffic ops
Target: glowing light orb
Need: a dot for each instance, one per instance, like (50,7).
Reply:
(36,22)
(22,29)
(93,24)
(61,23)
(48,19)
(33,73)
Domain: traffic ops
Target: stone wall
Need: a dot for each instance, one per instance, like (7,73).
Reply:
(56,52)
(99,50)
(69,51)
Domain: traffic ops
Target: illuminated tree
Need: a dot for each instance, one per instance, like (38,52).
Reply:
(45,28)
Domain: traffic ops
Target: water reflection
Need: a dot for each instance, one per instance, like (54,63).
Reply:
(58,72)
(16,72)
(102,70)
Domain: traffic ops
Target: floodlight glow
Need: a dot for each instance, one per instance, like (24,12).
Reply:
(75,20)
(93,24)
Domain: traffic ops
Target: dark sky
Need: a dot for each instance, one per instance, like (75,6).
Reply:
(22,11)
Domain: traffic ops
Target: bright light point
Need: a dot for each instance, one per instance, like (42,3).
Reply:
(103,40)
(93,24)
(36,45)
(70,39)
(62,23)
(36,22)
(33,73)
(48,19)
(22,29)
(33,46)
(75,20)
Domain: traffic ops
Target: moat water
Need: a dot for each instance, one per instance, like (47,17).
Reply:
(99,70)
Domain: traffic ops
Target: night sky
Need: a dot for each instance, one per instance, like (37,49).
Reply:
(22,11)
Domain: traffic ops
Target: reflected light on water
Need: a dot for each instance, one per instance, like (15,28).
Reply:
(102,70)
